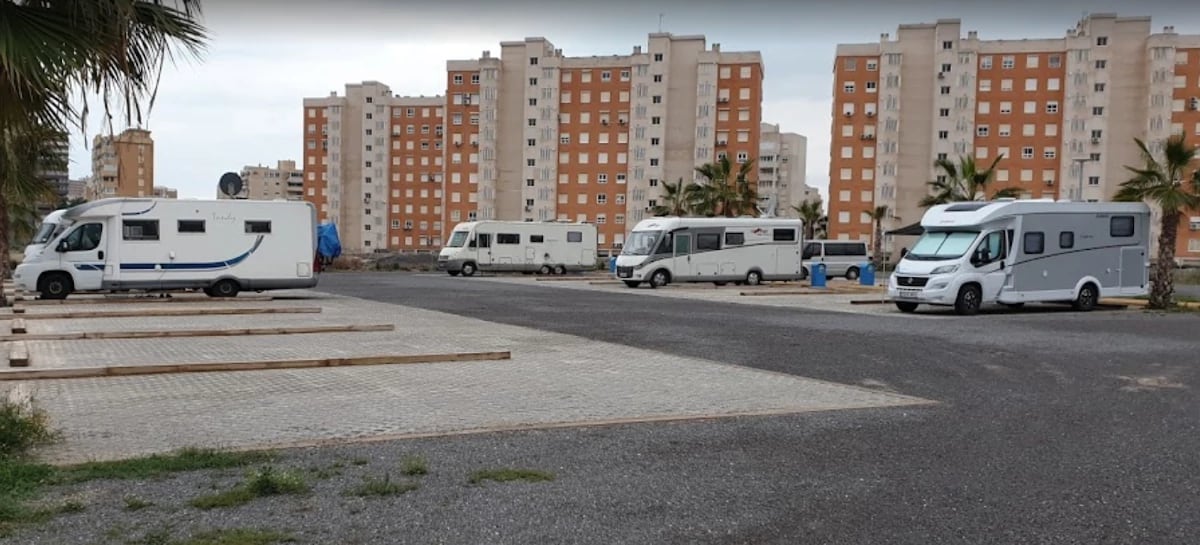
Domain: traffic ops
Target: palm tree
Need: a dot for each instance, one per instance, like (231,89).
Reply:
(675,200)
(811,213)
(879,214)
(964,181)
(1165,184)
(724,192)
(115,49)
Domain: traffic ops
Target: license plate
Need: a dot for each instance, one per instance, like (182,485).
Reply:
(908,294)
(624,274)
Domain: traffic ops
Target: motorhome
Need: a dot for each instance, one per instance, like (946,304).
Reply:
(519,246)
(720,250)
(840,257)
(219,246)
(1014,252)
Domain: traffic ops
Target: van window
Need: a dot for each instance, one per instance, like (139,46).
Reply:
(811,250)
(735,239)
(784,235)
(139,229)
(191,226)
(708,241)
(574,236)
(1120,226)
(536,239)
(1066,239)
(258,226)
(1034,243)
(845,249)
(508,238)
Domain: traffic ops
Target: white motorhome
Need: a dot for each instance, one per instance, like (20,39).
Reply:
(220,246)
(719,250)
(1014,252)
(519,246)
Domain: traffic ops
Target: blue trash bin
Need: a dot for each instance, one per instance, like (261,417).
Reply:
(867,276)
(818,275)
(612,265)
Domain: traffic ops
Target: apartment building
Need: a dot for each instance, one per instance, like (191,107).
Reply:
(164,192)
(57,176)
(1062,112)
(122,165)
(781,170)
(530,135)
(264,183)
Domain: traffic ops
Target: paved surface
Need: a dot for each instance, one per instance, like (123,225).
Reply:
(552,379)
(1054,426)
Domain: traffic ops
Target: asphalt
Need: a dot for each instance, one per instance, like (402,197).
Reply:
(1052,426)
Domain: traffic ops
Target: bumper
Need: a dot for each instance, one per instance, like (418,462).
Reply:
(630,273)
(936,291)
(24,279)
(449,265)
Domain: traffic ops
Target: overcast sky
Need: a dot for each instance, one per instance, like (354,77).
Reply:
(242,104)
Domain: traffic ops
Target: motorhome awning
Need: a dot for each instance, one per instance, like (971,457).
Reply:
(908,230)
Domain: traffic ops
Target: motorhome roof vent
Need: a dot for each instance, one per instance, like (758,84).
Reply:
(1004,199)
(966,207)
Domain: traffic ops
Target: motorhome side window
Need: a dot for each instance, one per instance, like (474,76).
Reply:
(735,239)
(191,226)
(84,238)
(508,238)
(1121,226)
(139,229)
(536,239)
(784,235)
(1035,243)
(708,241)
(258,227)
(574,236)
(1066,240)
(994,246)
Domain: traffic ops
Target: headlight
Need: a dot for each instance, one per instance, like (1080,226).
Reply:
(945,269)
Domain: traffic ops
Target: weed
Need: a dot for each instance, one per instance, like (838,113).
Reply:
(266,482)
(136,504)
(359,461)
(23,426)
(189,459)
(413,466)
(381,487)
(509,474)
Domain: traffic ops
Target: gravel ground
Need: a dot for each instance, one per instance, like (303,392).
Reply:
(1053,427)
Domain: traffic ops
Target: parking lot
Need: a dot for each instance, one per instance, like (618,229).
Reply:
(712,416)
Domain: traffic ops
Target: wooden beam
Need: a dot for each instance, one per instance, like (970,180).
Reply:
(167,333)
(208,367)
(82,314)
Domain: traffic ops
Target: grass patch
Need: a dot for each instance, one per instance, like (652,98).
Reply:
(360,461)
(23,426)
(414,466)
(189,459)
(239,536)
(136,504)
(381,487)
(509,474)
(267,482)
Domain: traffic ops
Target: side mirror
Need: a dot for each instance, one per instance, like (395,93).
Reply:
(62,246)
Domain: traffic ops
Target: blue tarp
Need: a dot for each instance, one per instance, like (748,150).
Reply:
(328,245)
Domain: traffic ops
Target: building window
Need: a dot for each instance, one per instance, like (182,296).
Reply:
(1102,40)
(1101,64)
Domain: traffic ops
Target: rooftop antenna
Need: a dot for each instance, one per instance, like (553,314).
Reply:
(660,20)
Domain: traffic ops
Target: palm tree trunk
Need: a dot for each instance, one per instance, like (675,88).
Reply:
(5,232)
(1162,274)
(878,243)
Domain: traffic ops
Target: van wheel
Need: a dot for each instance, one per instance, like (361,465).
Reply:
(659,279)
(468,269)
(632,283)
(803,273)
(969,300)
(56,286)
(225,288)
(560,269)
(852,273)
(906,306)
(1087,298)
(544,270)
(753,278)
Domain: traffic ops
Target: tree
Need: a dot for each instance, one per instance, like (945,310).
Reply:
(1167,185)
(724,192)
(963,181)
(812,214)
(879,214)
(50,49)
(675,200)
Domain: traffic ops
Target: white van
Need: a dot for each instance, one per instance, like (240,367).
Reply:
(519,246)
(1013,252)
(220,246)
(841,257)
(718,250)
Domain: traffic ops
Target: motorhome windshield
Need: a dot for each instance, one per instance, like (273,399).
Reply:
(942,245)
(46,233)
(457,240)
(641,243)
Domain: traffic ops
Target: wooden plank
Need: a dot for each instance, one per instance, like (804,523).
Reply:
(77,336)
(18,355)
(82,314)
(18,326)
(136,300)
(209,367)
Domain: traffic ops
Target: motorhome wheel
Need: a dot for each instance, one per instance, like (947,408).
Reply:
(1086,300)
(969,299)
(225,288)
(560,270)
(659,279)
(544,270)
(753,278)
(56,286)
(468,269)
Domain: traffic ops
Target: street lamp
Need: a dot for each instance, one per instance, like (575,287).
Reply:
(1079,165)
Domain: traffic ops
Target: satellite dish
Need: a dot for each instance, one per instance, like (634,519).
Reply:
(230,184)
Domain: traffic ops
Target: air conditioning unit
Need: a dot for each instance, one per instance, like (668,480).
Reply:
(848,114)
(1095,140)
(721,142)
(941,75)
(458,144)
(604,122)
(870,114)
(621,122)
(1049,183)
(723,99)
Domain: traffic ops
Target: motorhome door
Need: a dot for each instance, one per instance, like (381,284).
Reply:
(484,248)
(991,260)
(82,253)
(681,265)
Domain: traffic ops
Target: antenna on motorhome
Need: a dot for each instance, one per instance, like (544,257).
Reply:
(231,184)
(768,211)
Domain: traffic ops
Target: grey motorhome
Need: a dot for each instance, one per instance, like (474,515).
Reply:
(1014,252)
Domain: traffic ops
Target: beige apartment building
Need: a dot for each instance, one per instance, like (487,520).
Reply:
(264,183)
(1063,113)
(529,135)
(164,192)
(122,165)
(782,159)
